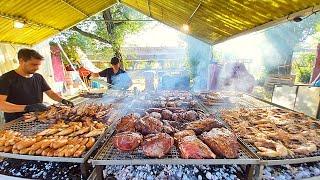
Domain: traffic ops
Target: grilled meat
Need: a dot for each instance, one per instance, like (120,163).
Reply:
(155,115)
(148,125)
(127,141)
(203,125)
(166,114)
(191,115)
(157,145)
(127,123)
(178,136)
(222,142)
(193,148)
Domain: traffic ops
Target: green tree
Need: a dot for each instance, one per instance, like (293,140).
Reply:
(303,67)
(102,32)
(284,39)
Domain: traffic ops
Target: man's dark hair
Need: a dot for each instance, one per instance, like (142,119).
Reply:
(115,60)
(27,54)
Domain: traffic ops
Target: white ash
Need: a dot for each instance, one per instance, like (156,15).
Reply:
(295,171)
(172,172)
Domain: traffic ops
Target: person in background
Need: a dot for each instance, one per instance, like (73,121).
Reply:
(21,90)
(116,77)
(238,78)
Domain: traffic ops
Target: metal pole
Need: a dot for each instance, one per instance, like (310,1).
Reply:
(65,55)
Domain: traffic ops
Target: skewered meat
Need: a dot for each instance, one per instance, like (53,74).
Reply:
(149,125)
(191,115)
(127,141)
(178,136)
(166,114)
(157,145)
(203,125)
(127,123)
(155,115)
(193,148)
(222,142)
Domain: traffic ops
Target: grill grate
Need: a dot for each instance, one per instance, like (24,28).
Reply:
(249,102)
(110,155)
(26,128)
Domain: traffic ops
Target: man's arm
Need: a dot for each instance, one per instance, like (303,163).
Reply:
(58,98)
(10,107)
(54,96)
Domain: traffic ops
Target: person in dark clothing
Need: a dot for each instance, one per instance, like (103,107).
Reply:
(116,76)
(21,90)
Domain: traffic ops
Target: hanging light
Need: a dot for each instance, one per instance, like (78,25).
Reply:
(18,24)
(185,27)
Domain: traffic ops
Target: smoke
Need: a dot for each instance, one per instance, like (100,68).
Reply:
(199,55)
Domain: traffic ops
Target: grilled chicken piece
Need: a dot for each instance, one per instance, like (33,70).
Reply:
(203,125)
(127,141)
(127,123)
(193,148)
(178,136)
(149,125)
(222,142)
(157,145)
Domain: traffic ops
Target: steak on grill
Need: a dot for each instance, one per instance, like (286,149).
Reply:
(157,145)
(193,148)
(127,141)
(127,123)
(222,142)
(149,125)
(203,125)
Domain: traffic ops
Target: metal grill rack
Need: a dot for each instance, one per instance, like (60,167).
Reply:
(265,160)
(32,128)
(109,155)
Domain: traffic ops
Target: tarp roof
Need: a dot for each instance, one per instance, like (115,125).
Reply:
(213,21)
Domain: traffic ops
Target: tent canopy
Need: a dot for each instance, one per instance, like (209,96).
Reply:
(212,21)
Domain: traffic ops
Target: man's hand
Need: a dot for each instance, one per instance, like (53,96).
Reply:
(67,102)
(38,107)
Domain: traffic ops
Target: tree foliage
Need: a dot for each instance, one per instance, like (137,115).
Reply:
(303,67)
(284,38)
(101,36)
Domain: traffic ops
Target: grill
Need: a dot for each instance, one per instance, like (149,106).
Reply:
(250,102)
(34,127)
(109,155)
